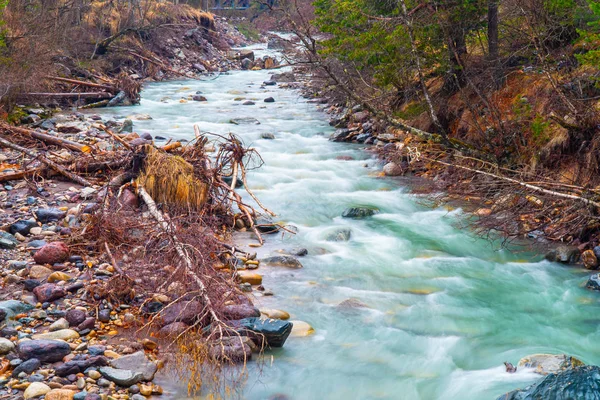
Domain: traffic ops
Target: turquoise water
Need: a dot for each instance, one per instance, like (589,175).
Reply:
(444,309)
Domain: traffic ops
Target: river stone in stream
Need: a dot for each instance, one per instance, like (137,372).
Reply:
(545,364)
(581,383)
(339,235)
(244,121)
(274,331)
(593,282)
(282,261)
(359,212)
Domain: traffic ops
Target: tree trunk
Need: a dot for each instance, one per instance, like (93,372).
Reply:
(493,30)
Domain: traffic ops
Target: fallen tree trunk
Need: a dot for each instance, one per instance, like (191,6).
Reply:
(46,138)
(50,163)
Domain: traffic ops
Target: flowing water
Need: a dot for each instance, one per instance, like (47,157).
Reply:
(444,309)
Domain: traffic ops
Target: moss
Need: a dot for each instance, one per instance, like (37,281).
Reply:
(248,31)
(411,110)
(15,116)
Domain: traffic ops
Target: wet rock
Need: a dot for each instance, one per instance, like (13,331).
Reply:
(198,97)
(49,292)
(269,100)
(267,136)
(63,334)
(250,277)
(138,363)
(44,350)
(590,261)
(275,332)
(27,366)
(340,135)
(392,169)
(545,364)
(183,311)
(172,330)
(248,103)
(299,252)
(51,253)
(359,212)
(240,311)
(75,317)
(244,121)
(49,214)
(121,377)
(581,383)
(23,227)
(77,366)
(246,63)
(7,241)
(563,254)
(339,235)
(301,328)
(282,261)
(6,346)
(36,389)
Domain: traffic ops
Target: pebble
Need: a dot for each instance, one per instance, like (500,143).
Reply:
(6,346)
(60,324)
(36,389)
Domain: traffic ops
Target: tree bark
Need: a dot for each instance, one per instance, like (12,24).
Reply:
(493,30)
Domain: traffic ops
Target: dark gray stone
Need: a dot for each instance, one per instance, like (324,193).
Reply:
(274,332)
(27,366)
(49,214)
(23,227)
(359,212)
(44,350)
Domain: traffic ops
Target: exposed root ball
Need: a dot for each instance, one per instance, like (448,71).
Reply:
(170,180)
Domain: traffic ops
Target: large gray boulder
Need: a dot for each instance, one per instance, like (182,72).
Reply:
(136,362)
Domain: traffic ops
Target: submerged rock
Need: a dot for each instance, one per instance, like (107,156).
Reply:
(282,261)
(359,212)
(581,383)
(339,235)
(244,121)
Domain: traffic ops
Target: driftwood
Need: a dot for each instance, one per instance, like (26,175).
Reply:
(83,166)
(22,174)
(83,95)
(50,163)
(109,88)
(46,138)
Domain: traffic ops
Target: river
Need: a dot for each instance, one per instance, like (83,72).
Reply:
(444,309)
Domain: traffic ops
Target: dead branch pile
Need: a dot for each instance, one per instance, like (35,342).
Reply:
(161,219)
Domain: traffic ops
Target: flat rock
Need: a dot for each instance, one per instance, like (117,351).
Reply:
(136,362)
(44,350)
(282,261)
(545,364)
(62,334)
(121,377)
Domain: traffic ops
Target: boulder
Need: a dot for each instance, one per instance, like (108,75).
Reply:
(121,377)
(564,254)
(274,332)
(545,364)
(36,389)
(136,362)
(49,214)
(44,350)
(581,383)
(240,311)
(392,169)
(183,311)
(282,261)
(54,252)
(359,212)
(22,226)
(590,261)
(593,282)
(49,292)
(173,330)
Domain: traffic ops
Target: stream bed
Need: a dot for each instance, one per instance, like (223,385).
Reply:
(444,309)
